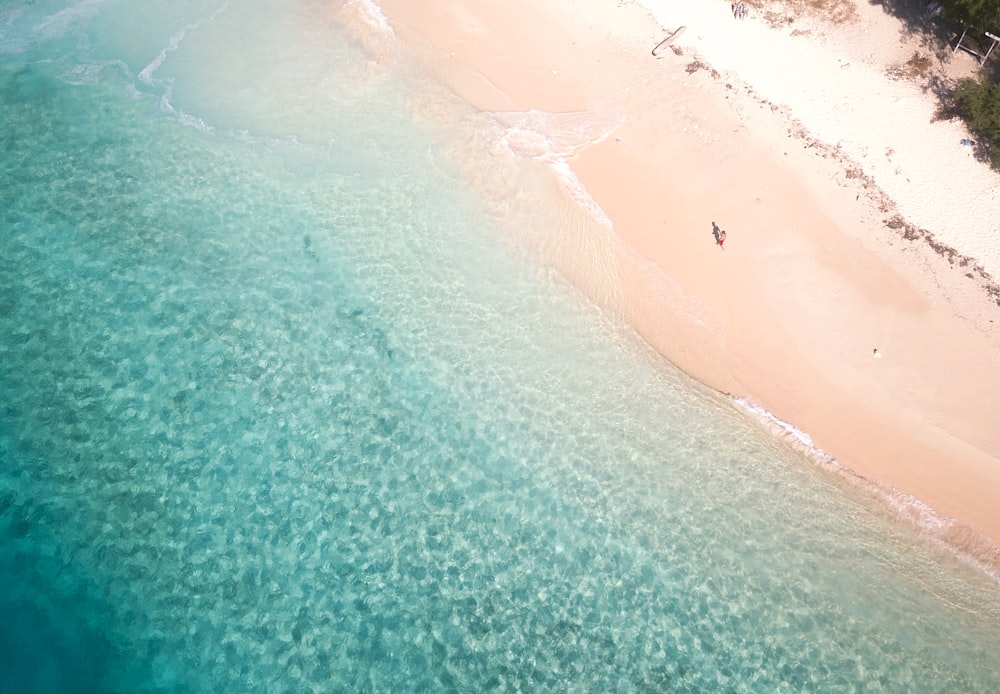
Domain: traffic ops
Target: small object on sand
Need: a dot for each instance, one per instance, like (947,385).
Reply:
(877,354)
(968,143)
(669,40)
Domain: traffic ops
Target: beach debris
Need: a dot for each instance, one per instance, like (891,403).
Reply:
(918,65)
(696,65)
(968,143)
(740,10)
(876,354)
(669,40)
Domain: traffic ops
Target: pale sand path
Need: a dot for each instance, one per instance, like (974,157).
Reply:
(810,281)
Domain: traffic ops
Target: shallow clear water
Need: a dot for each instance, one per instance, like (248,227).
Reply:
(280,410)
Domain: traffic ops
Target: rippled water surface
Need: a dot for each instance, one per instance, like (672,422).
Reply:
(280,410)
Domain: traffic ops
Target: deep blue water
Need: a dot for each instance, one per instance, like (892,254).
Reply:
(280,410)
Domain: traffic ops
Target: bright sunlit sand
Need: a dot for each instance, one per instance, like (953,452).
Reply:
(854,299)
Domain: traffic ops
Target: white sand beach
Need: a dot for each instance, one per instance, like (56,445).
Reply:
(854,298)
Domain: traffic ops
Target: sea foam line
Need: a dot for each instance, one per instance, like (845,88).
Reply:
(800,439)
(574,187)
(146,74)
(947,534)
(553,138)
(372,15)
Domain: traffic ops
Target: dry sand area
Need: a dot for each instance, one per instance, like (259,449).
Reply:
(855,220)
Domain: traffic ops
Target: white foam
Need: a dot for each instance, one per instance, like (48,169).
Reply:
(946,534)
(561,134)
(146,74)
(193,121)
(185,118)
(554,137)
(364,22)
(61,22)
(800,439)
(372,15)
(572,186)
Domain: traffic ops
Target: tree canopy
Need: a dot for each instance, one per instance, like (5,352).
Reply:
(979,15)
(978,103)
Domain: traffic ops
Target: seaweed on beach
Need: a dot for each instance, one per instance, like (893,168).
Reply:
(896,222)
(976,271)
(783,12)
(696,65)
(918,66)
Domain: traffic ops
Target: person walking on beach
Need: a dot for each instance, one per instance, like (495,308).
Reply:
(719,234)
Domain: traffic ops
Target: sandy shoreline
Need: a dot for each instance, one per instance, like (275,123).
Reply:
(811,280)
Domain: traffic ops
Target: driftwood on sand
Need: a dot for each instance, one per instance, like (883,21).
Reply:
(669,40)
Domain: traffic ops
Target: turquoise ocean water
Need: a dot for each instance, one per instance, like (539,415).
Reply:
(281,410)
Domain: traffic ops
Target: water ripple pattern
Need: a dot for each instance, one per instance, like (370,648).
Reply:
(281,411)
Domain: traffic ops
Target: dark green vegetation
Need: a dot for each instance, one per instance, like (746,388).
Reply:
(942,23)
(977,15)
(977,101)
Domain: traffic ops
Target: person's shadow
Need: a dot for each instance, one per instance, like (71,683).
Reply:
(716,231)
